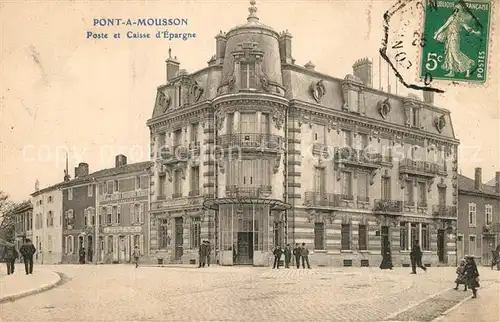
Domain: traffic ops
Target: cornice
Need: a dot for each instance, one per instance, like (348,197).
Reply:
(179,114)
(248,97)
(479,194)
(350,118)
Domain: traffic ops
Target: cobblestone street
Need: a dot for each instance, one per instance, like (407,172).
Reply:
(123,293)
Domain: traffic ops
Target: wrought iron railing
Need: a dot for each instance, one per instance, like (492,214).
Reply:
(193,193)
(251,140)
(362,199)
(248,191)
(348,154)
(421,166)
(322,199)
(177,195)
(444,211)
(422,204)
(387,205)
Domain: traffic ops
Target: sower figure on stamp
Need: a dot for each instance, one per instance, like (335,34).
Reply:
(277,256)
(416,258)
(296,254)
(304,253)
(28,250)
(288,255)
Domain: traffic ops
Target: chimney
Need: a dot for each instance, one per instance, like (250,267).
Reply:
(497,182)
(172,66)
(285,45)
(120,160)
(429,97)
(363,70)
(477,179)
(84,169)
(310,66)
(220,47)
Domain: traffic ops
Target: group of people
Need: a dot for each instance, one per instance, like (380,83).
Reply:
(204,254)
(468,275)
(11,253)
(495,260)
(415,257)
(299,252)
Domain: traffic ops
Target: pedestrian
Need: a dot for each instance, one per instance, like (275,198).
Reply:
(471,275)
(296,254)
(494,259)
(386,257)
(288,255)
(277,256)
(461,275)
(90,255)
(82,255)
(137,254)
(304,254)
(10,256)
(416,258)
(208,252)
(202,254)
(235,253)
(28,250)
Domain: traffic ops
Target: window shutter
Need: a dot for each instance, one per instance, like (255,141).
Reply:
(141,212)
(141,244)
(131,213)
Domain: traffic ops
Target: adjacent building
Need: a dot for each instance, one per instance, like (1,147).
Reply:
(255,150)
(23,222)
(478,217)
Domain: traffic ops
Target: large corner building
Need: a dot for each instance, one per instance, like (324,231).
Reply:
(254,151)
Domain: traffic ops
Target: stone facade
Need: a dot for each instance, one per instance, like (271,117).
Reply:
(254,151)
(23,227)
(478,217)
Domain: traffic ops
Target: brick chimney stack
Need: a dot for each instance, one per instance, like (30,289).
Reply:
(497,182)
(120,160)
(285,46)
(220,47)
(172,65)
(363,70)
(429,97)
(477,178)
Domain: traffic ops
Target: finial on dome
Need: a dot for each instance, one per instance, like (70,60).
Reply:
(252,9)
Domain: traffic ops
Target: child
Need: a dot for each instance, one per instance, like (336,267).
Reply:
(460,275)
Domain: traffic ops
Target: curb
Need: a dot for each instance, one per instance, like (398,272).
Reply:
(14,297)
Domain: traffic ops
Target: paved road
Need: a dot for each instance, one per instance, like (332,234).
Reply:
(123,293)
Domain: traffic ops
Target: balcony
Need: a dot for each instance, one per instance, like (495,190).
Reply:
(322,199)
(388,206)
(444,211)
(363,199)
(362,158)
(194,149)
(194,193)
(248,192)
(252,141)
(177,203)
(177,153)
(177,195)
(124,195)
(420,168)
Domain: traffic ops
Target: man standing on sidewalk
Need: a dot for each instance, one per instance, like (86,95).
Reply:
(136,254)
(28,250)
(296,254)
(10,256)
(416,258)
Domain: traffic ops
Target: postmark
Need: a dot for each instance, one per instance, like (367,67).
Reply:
(456,35)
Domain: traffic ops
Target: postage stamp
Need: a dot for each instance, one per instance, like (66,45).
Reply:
(456,35)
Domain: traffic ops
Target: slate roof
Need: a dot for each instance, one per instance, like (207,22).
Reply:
(132,167)
(467,185)
(23,206)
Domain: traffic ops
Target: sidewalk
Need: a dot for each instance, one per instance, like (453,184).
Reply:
(19,284)
(484,308)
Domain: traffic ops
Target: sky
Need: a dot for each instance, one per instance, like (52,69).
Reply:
(61,92)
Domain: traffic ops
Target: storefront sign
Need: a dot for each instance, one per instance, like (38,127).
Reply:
(119,230)
(178,203)
(124,195)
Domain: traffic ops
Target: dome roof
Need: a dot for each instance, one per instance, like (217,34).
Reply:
(252,21)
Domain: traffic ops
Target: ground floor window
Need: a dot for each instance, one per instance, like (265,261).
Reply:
(346,237)
(426,237)
(403,236)
(472,245)
(195,232)
(69,244)
(362,237)
(163,239)
(110,244)
(319,235)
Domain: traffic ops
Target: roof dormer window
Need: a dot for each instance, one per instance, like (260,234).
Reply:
(248,75)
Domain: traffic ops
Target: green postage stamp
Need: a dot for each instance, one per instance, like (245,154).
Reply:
(456,40)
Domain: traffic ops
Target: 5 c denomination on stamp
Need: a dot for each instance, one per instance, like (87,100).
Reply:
(456,35)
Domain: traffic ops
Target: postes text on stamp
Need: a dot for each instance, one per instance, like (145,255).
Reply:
(456,46)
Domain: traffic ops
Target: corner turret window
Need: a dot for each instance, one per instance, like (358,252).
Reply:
(248,76)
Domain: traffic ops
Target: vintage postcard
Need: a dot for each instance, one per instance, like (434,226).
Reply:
(243,160)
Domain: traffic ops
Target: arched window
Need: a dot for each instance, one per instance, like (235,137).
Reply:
(69,244)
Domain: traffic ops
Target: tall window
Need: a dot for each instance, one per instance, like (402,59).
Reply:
(345,237)
(362,237)
(414,117)
(409,193)
(248,123)
(230,123)
(403,236)
(178,95)
(102,216)
(472,214)
(137,183)
(115,186)
(163,234)
(69,244)
(264,123)
(50,219)
(472,245)
(346,185)
(488,210)
(70,194)
(195,181)
(426,237)
(247,75)
(363,186)
(386,188)
(177,137)
(89,190)
(110,187)
(414,233)
(195,232)
(442,196)
(161,186)
(346,138)
(109,216)
(110,244)
(422,194)
(177,183)
(319,180)
(194,132)
(319,235)
(363,141)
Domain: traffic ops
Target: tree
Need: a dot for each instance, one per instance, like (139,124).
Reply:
(7,219)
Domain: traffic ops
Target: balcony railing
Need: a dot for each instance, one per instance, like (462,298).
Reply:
(444,211)
(175,153)
(194,149)
(177,195)
(161,197)
(322,199)
(251,141)
(360,157)
(362,199)
(422,204)
(388,205)
(124,195)
(420,167)
(248,191)
(194,193)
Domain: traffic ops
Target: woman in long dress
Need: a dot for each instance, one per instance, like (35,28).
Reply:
(454,60)
(471,275)
(386,257)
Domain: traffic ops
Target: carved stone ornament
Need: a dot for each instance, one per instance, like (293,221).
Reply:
(384,108)
(318,90)
(278,117)
(196,90)
(264,82)
(430,183)
(228,86)
(219,118)
(440,123)
(163,100)
(277,164)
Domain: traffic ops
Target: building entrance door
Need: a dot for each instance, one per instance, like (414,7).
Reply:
(245,248)
(179,238)
(90,248)
(441,245)
(487,247)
